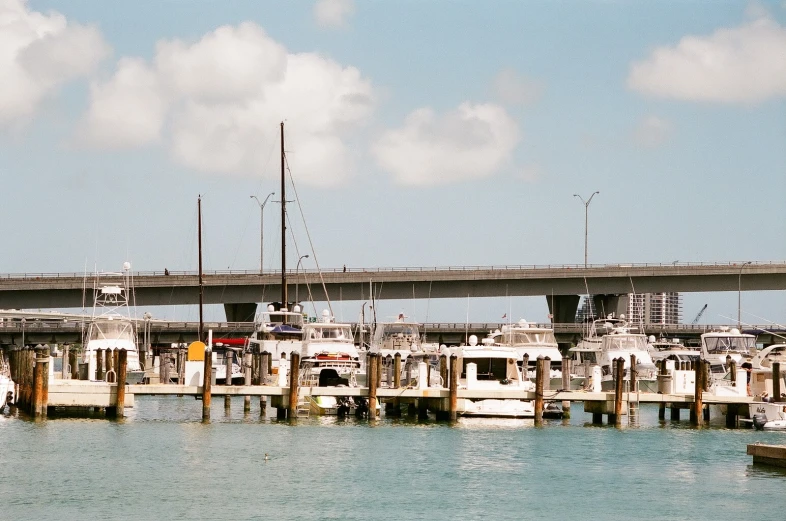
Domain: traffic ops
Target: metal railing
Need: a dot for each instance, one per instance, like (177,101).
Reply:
(500,267)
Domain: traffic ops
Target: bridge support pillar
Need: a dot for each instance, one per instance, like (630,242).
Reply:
(562,308)
(605,304)
(240,312)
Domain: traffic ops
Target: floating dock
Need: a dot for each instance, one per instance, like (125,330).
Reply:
(774,455)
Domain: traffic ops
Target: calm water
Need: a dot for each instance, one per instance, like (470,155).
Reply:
(163,463)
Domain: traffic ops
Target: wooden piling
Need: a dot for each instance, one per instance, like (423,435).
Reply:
(397,371)
(109,366)
(620,365)
(525,367)
(247,364)
(540,376)
(661,365)
(443,370)
(207,373)
(294,376)
(566,367)
(372,375)
(733,371)
(776,381)
(453,396)
(74,362)
(44,355)
(228,378)
(632,386)
(697,413)
(264,359)
(164,368)
(39,372)
(99,365)
(122,368)
(65,373)
(115,361)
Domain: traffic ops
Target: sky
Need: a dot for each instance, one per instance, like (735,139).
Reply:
(418,133)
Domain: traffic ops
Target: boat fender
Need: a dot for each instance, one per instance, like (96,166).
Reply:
(759,420)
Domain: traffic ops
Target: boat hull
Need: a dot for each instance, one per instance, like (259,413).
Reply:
(644,386)
(495,408)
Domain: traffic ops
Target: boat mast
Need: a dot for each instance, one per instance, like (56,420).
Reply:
(199,240)
(283,226)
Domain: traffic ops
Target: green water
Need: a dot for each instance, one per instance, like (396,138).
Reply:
(163,463)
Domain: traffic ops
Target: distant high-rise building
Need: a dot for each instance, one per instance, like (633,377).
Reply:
(586,310)
(655,308)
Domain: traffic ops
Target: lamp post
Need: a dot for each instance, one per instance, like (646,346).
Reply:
(262,230)
(297,280)
(586,215)
(739,294)
(23,331)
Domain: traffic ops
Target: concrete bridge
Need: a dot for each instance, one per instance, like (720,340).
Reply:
(239,291)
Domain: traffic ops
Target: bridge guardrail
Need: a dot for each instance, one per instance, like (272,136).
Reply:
(501,267)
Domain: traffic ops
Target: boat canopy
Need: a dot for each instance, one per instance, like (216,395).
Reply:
(101,329)
(516,337)
(624,343)
(718,344)
(328,332)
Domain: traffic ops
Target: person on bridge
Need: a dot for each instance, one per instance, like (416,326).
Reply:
(166,271)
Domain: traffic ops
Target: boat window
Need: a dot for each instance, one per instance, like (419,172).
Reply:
(331,333)
(727,344)
(488,368)
(624,343)
(114,329)
(521,337)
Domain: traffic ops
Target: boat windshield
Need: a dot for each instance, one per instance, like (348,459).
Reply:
(111,329)
(520,337)
(329,333)
(396,329)
(289,319)
(730,344)
(625,343)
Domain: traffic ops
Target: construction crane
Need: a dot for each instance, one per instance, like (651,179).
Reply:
(696,320)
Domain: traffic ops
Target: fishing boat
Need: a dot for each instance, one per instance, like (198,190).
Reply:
(329,358)
(607,340)
(402,337)
(7,387)
(111,327)
(491,367)
(723,345)
(530,342)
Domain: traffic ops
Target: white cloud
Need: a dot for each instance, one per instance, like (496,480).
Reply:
(472,141)
(511,88)
(38,53)
(333,13)
(652,131)
(222,99)
(741,64)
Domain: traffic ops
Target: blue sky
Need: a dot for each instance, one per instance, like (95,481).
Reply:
(418,133)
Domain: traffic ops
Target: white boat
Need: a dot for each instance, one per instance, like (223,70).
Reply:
(277,331)
(111,326)
(329,358)
(530,342)
(607,340)
(403,338)
(672,349)
(7,387)
(719,347)
(491,367)
(768,412)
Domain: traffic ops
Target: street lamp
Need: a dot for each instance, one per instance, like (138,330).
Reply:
(739,294)
(296,277)
(262,230)
(586,212)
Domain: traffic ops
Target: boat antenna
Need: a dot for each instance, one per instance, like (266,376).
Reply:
(199,242)
(283,225)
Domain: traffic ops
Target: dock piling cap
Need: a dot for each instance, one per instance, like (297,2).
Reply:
(196,352)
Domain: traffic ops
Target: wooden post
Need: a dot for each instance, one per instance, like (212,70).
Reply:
(397,371)
(443,370)
(264,359)
(248,360)
(540,369)
(566,363)
(620,364)
(122,368)
(661,365)
(294,376)
(255,363)
(371,376)
(44,354)
(454,378)
(228,378)
(632,386)
(525,368)
(74,361)
(776,381)
(733,371)
(39,372)
(65,374)
(115,361)
(697,413)
(163,368)
(207,374)
(99,365)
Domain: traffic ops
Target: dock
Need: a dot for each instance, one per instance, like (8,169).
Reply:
(774,455)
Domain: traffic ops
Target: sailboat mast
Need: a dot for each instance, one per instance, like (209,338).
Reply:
(283,226)
(199,240)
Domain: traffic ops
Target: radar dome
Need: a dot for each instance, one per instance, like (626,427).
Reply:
(473,340)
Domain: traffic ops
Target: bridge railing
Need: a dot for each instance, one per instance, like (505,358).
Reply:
(499,267)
